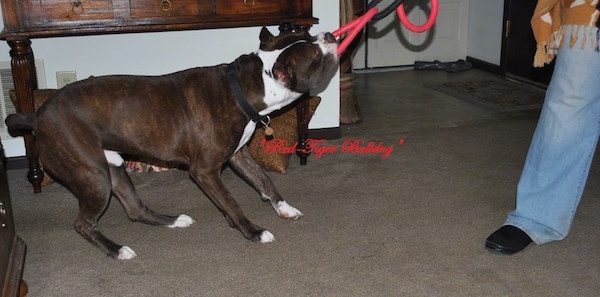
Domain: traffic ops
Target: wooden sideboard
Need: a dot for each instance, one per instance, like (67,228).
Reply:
(28,19)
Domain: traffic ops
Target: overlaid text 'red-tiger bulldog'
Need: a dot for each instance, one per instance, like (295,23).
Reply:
(199,119)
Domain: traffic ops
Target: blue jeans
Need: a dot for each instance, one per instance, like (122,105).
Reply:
(563,145)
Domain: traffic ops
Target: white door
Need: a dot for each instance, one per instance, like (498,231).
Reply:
(390,44)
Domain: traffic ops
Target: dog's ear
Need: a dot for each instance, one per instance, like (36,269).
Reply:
(285,75)
(265,36)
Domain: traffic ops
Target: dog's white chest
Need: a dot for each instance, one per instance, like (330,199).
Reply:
(276,94)
(248,131)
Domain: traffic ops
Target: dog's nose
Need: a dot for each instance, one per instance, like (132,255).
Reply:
(329,38)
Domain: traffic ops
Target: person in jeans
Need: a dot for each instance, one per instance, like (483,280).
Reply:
(563,145)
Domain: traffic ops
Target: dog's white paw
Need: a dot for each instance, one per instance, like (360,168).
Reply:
(266,237)
(126,253)
(182,222)
(286,211)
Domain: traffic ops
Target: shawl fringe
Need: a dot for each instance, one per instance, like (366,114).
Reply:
(546,50)
(588,37)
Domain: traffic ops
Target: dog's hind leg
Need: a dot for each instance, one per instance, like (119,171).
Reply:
(93,201)
(245,166)
(210,182)
(124,191)
(83,169)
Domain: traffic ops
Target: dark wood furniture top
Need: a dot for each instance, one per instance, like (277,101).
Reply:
(47,18)
(27,19)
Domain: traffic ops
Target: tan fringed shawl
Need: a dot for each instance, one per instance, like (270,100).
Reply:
(548,24)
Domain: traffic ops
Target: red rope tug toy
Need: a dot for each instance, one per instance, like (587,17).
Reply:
(357,25)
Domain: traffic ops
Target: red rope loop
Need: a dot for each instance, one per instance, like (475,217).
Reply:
(357,25)
(418,28)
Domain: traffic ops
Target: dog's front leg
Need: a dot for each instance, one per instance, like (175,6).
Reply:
(211,183)
(244,165)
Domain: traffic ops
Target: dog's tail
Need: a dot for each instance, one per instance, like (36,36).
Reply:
(22,122)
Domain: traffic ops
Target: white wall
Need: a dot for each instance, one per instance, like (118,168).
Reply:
(477,34)
(485,30)
(391,44)
(164,52)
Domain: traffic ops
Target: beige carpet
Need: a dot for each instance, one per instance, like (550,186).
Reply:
(413,224)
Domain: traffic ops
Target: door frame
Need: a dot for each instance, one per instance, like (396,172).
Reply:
(523,70)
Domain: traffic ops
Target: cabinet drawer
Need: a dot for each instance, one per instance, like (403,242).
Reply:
(260,7)
(57,11)
(170,8)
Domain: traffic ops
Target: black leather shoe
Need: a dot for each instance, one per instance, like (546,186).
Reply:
(507,240)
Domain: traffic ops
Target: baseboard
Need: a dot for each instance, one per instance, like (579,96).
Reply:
(16,163)
(325,133)
(486,66)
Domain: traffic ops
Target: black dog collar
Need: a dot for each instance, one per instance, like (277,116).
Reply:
(239,97)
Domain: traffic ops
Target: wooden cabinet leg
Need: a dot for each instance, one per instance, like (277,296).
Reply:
(303,119)
(23,289)
(25,82)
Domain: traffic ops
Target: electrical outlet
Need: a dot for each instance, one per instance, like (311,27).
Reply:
(64,78)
